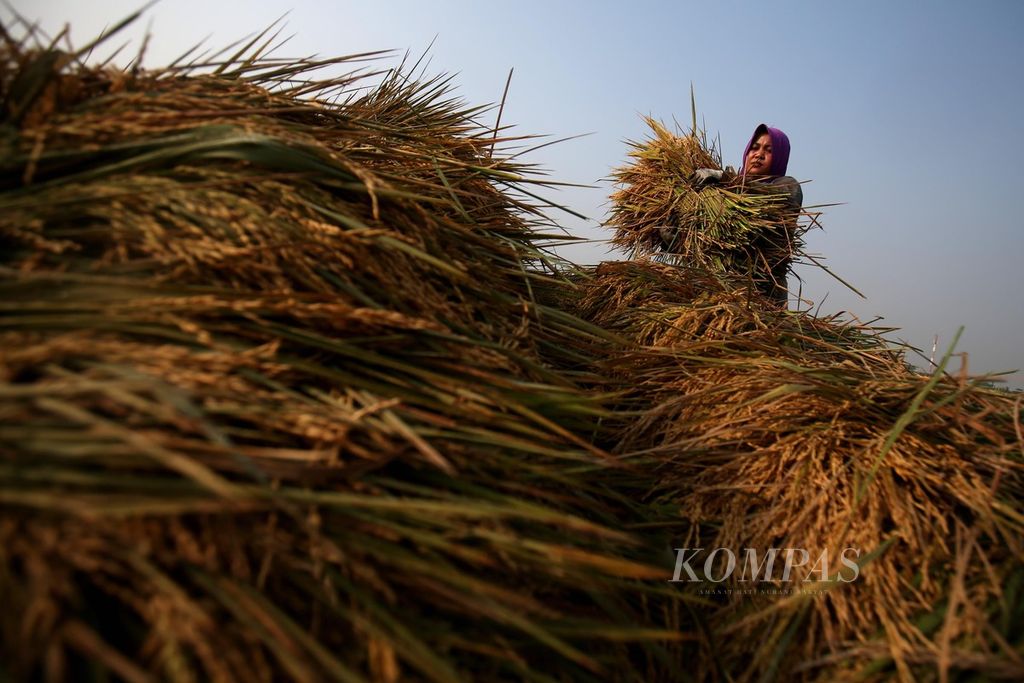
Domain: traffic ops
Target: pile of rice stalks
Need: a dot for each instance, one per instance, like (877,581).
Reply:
(290,390)
(733,227)
(276,402)
(812,437)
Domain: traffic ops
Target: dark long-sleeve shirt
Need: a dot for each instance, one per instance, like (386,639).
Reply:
(771,276)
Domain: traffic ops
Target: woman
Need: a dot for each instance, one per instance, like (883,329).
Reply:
(763,170)
(765,161)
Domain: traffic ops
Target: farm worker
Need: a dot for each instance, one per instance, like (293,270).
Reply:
(765,161)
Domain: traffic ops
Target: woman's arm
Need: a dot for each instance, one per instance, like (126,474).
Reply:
(788,186)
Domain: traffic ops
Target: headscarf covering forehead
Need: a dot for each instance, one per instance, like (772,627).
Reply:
(780,149)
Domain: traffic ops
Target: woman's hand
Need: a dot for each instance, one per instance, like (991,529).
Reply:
(706,176)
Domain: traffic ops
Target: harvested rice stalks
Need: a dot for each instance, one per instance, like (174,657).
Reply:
(276,400)
(787,437)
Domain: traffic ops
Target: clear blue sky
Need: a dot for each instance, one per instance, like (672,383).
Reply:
(908,112)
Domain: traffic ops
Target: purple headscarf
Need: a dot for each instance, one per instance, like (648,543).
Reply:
(780,149)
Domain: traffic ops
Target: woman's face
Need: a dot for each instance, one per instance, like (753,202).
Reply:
(759,158)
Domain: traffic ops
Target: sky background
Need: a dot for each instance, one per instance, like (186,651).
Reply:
(908,113)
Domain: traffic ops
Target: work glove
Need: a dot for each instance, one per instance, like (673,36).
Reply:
(706,176)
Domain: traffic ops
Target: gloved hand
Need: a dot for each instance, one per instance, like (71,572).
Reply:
(706,176)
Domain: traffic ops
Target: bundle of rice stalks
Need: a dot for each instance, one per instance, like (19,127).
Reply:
(276,401)
(787,441)
(737,226)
